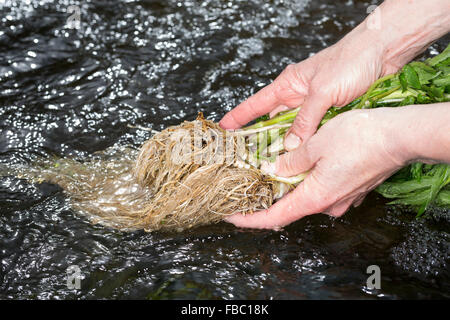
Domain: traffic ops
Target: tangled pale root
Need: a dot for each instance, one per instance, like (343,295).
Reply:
(165,188)
(200,185)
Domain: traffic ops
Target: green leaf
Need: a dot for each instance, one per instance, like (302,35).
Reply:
(403,81)
(443,70)
(416,171)
(423,66)
(440,57)
(387,83)
(442,82)
(411,77)
(441,178)
(443,63)
(408,101)
(421,210)
(437,93)
(425,72)
(422,99)
(443,198)
(421,194)
(262,118)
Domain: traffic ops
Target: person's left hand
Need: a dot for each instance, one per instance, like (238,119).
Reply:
(348,157)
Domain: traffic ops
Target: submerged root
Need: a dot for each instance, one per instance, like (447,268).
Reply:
(199,183)
(166,187)
(205,196)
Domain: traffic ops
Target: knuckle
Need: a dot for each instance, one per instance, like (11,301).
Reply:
(290,84)
(301,123)
(320,96)
(250,105)
(321,90)
(238,118)
(290,71)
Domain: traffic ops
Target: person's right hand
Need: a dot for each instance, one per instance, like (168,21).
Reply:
(333,77)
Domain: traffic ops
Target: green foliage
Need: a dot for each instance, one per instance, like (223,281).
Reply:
(411,77)
(419,185)
(442,59)
(262,118)
(425,185)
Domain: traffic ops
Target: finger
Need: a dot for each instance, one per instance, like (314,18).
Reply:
(256,220)
(288,89)
(294,162)
(307,120)
(339,208)
(301,202)
(257,105)
(359,200)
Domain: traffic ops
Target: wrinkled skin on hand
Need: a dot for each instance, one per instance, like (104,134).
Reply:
(347,158)
(333,77)
(354,152)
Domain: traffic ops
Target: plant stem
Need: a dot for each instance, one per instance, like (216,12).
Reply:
(281,117)
(364,98)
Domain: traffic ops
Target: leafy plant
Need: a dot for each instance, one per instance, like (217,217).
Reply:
(418,82)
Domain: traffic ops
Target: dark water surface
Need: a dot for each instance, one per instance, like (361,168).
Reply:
(71,92)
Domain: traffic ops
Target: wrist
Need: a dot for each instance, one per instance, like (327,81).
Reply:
(402,29)
(421,133)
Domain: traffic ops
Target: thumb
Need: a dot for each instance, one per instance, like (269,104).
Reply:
(307,120)
(297,161)
(302,201)
(294,162)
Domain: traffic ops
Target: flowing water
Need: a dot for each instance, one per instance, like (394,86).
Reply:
(69,92)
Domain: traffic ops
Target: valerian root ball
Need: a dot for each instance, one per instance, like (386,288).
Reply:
(184,176)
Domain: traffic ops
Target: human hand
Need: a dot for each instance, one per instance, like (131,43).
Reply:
(334,76)
(380,45)
(348,157)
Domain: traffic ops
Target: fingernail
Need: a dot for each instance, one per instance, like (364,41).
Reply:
(292,142)
(268,167)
